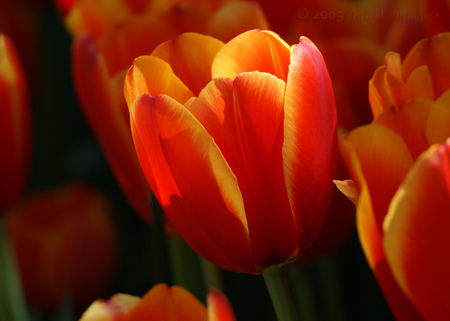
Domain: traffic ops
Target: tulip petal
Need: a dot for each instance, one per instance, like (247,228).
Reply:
(432,52)
(116,308)
(190,56)
(106,112)
(253,50)
(141,79)
(192,181)
(409,121)
(310,139)
(438,128)
(416,236)
(367,220)
(245,119)
(219,308)
(378,95)
(162,303)
(383,159)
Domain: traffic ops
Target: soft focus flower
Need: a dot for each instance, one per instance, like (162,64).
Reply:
(416,236)
(237,142)
(65,245)
(15,126)
(113,40)
(411,105)
(161,303)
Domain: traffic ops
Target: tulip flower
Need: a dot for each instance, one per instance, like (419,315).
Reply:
(65,245)
(15,126)
(410,101)
(161,303)
(237,142)
(113,40)
(415,233)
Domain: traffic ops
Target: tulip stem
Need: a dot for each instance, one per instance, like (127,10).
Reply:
(12,300)
(185,267)
(158,243)
(280,295)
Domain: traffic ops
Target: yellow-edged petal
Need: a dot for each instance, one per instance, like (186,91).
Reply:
(416,236)
(253,50)
(191,180)
(190,56)
(310,139)
(141,77)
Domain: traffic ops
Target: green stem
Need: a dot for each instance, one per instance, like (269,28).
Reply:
(278,287)
(331,288)
(212,275)
(303,291)
(185,267)
(158,243)
(12,301)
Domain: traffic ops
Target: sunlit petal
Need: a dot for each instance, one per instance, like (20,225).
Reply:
(190,56)
(416,237)
(247,126)
(254,50)
(191,180)
(141,79)
(310,138)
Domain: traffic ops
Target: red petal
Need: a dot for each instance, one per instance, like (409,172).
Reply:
(192,181)
(310,139)
(247,125)
(219,309)
(416,237)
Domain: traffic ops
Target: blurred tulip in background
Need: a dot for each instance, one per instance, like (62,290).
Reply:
(15,126)
(161,303)
(65,244)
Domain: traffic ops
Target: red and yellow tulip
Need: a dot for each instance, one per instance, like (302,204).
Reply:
(113,40)
(161,303)
(237,142)
(65,244)
(15,126)
(411,105)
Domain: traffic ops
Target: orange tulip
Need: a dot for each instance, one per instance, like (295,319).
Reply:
(411,105)
(416,233)
(15,126)
(161,303)
(100,60)
(237,142)
(64,241)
